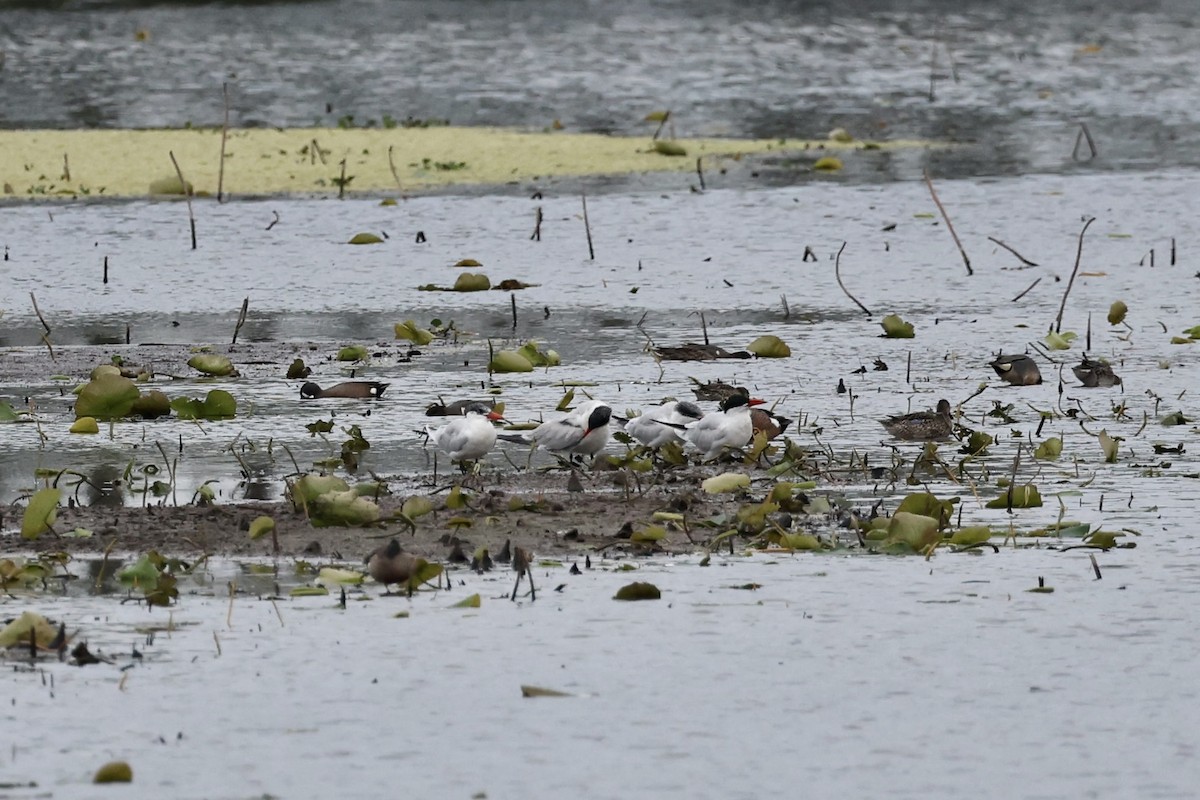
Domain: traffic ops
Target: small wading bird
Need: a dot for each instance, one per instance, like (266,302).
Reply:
(582,432)
(922,426)
(468,438)
(648,428)
(1019,370)
(1095,374)
(352,390)
(729,428)
(390,564)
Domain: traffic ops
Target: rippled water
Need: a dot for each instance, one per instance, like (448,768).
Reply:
(1014,77)
(860,676)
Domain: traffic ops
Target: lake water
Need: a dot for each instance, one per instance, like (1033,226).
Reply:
(857,676)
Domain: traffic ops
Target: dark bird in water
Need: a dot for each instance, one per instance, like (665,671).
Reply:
(1094,374)
(457,408)
(692,351)
(390,564)
(922,426)
(1019,370)
(354,390)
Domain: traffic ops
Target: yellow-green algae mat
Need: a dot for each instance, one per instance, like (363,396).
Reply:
(307,161)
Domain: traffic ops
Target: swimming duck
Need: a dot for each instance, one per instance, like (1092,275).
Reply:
(691,351)
(922,426)
(354,390)
(716,390)
(1019,370)
(1094,374)
(730,427)
(457,408)
(390,564)
(468,438)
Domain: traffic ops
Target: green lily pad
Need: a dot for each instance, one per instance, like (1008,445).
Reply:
(41,512)
(472,282)
(638,590)
(261,526)
(726,482)
(365,238)
(1117,312)
(769,346)
(663,147)
(509,361)
(354,352)
(409,331)
(1049,449)
(108,397)
(896,328)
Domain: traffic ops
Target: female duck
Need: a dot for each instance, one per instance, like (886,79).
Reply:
(922,426)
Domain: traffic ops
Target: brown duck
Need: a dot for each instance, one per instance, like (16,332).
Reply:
(922,426)
(352,390)
(390,564)
(692,351)
(1019,370)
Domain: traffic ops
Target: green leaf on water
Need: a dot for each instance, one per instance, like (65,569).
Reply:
(212,364)
(472,282)
(108,397)
(354,352)
(967,537)
(472,601)
(417,506)
(896,328)
(827,164)
(1117,312)
(1026,496)
(666,148)
(1049,449)
(638,590)
(261,526)
(365,238)
(1060,341)
(509,361)
(7,413)
(410,331)
(769,346)
(1108,446)
(726,482)
(41,512)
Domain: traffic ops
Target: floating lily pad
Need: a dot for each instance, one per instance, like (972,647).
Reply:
(726,482)
(365,238)
(170,184)
(342,509)
(1026,496)
(799,541)
(769,346)
(309,487)
(212,364)
(896,328)
(915,530)
(967,537)
(353,352)
(339,577)
(108,397)
(509,361)
(665,148)
(1060,341)
(472,282)
(827,164)
(468,262)
(261,526)
(841,135)
(472,601)
(8,413)
(298,370)
(1049,449)
(410,331)
(85,425)
(638,590)
(151,405)
(114,772)
(1117,312)
(1108,446)
(217,404)
(40,513)
(28,624)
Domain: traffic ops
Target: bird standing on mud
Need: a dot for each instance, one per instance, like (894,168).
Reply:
(649,427)
(729,428)
(468,438)
(390,564)
(582,432)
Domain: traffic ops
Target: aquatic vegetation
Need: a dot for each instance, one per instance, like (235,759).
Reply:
(114,772)
(638,590)
(155,576)
(769,346)
(217,404)
(365,238)
(353,352)
(212,364)
(410,331)
(1117,312)
(896,328)
(41,512)
(107,397)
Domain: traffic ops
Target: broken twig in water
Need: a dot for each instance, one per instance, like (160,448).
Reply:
(1009,248)
(536,236)
(513,297)
(1022,294)
(1084,135)
(588,229)
(392,167)
(224,136)
(241,319)
(837,273)
(1078,256)
(106,270)
(700,173)
(41,319)
(949,224)
(187,196)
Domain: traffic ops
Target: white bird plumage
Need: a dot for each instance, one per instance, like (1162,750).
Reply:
(583,431)
(664,423)
(731,427)
(468,438)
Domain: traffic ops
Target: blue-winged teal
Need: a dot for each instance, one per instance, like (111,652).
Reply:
(1094,374)
(353,390)
(922,426)
(1019,370)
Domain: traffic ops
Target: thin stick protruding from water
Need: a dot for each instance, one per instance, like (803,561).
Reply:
(700,173)
(342,182)
(41,319)
(513,297)
(837,273)
(66,176)
(1084,135)
(704,328)
(1009,248)
(392,167)
(224,136)
(106,270)
(536,236)
(949,224)
(787,312)
(1078,257)
(1027,291)
(187,196)
(588,229)
(241,319)
(1088,341)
